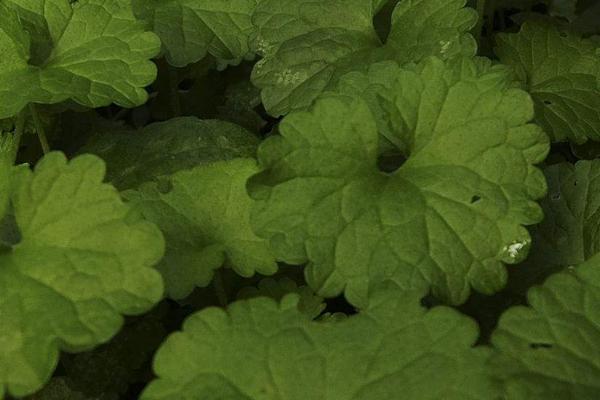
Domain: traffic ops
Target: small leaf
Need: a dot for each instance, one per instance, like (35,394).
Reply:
(92,51)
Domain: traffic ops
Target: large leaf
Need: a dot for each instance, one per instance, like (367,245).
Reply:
(308,44)
(562,72)
(205,216)
(83,260)
(92,51)
(447,218)
(259,349)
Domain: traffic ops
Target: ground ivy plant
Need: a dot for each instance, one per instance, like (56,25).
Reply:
(299,199)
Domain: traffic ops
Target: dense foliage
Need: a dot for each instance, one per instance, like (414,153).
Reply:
(300,199)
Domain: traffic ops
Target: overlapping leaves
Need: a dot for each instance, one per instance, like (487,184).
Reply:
(308,44)
(390,180)
(188,176)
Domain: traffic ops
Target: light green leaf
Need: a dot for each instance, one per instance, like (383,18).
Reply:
(562,73)
(447,218)
(204,214)
(259,349)
(570,231)
(163,148)
(551,349)
(191,29)
(92,51)
(83,260)
(308,44)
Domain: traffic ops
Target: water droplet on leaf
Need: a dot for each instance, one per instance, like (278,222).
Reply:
(516,251)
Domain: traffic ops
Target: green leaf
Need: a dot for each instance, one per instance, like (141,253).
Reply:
(191,29)
(82,262)
(205,216)
(163,148)
(569,233)
(447,218)
(551,348)
(308,303)
(93,52)
(259,349)
(562,73)
(308,44)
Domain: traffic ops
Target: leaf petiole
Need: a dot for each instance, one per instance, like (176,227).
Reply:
(481,4)
(19,129)
(219,286)
(39,129)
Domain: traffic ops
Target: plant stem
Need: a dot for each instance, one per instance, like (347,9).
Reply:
(19,129)
(39,129)
(219,286)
